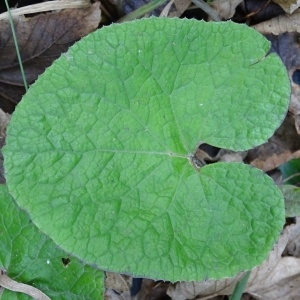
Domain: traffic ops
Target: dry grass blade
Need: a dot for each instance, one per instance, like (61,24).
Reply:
(166,9)
(207,9)
(15,286)
(281,24)
(46,6)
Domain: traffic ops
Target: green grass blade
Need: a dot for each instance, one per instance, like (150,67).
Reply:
(240,286)
(142,10)
(16,45)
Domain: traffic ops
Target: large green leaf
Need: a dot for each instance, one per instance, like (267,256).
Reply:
(30,257)
(100,150)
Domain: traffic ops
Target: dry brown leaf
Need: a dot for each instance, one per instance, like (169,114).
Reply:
(207,153)
(281,283)
(120,283)
(283,146)
(294,106)
(258,11)
(117,286)
(293,245)
(263,279)
(289,6)
(180,7)
(111,294)
(232,156)
(287,45)
(225,8)
(202,290)
(279,277)
(4,119)
(41,40)
(280,24)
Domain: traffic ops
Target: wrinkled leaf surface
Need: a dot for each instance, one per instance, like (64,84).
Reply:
(29,256)
(99,151)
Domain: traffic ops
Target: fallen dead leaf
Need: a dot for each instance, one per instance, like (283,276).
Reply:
(289,6)
(258,11)
(120,283)
(117,287)
(202,290)
(4,119)
(209,154)
(41,40)
(280,24)
(180,7)
(279,277)
(225,8)
(287,45)
(271,280)
(293,244)
(283,146)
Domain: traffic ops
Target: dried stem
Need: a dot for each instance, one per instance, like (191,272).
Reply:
(15,286)
(206,8)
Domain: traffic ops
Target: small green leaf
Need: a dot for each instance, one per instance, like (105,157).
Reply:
(99,150)
(292,200)
(29,256)
(291,172)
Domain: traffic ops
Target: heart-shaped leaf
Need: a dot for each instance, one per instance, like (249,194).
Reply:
(100,150)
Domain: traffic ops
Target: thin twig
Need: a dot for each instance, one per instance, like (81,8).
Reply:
(206,8)
(15,286)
